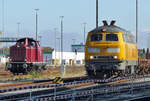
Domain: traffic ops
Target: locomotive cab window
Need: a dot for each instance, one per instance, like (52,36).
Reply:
(111,37)
(21,42)
(32,43)
(129,38)
(96,37)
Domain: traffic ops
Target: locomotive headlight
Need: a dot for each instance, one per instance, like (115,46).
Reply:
(25,65)
(10,60)
(91,57)
(93,50)
(113,50)
(115,57)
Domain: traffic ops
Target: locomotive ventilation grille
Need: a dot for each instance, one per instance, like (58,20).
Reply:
(103,57)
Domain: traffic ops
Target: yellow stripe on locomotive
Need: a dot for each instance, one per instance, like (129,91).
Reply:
(110,49)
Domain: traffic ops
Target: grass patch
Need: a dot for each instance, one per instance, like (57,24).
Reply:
(34,74)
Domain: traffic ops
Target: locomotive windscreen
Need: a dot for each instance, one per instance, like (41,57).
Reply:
(96,37)
(111,37)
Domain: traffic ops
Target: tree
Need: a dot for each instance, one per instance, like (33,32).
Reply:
(47,50)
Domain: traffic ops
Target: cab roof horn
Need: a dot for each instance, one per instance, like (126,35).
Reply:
(105,23)
(111,23)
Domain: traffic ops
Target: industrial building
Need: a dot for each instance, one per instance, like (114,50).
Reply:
(69,58)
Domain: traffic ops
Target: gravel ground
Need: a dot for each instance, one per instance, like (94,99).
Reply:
(50,72)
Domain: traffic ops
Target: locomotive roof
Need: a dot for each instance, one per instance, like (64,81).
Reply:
(108,28)
(25,38)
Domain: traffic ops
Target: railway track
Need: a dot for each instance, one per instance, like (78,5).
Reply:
(98,90)
(23,84)
(46,89)
(67,81)
(35,84)
(38,91)
(4,73)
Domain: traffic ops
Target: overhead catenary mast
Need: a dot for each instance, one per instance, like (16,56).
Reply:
(36,22)
(3,18)
(62,62)
(136,21)
(84,32)
(96,13)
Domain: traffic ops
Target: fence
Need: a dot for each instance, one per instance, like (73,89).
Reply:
(136,82)
(104,91)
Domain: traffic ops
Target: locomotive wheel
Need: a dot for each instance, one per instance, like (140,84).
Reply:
(13,70)
(40,69)
(99,74)
(107,75)
(25,72)
(103,75)
(90,73)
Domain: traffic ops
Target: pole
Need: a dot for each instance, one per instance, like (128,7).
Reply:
(96,13)
(36,33)
(62,65)
(36,22)
(136,21)
(59,47)
(40,40)
(55,45)
(3,22)
(3,18)
(18,29)
(84,31)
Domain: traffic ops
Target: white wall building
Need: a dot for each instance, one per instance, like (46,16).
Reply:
(69,57)
(3,59)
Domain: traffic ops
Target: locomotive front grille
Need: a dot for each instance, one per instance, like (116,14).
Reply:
(103,57)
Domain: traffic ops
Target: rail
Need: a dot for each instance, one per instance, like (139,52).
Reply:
(99,91)
(104,87)
(69,83)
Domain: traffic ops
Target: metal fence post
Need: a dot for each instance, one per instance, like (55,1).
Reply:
(112,87)
(55,93)
(105,88)
(74,94)
(92,94)
(119,87)
(144,85)
(131,85)
(31,95)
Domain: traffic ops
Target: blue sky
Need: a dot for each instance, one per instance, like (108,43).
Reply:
(75,13)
